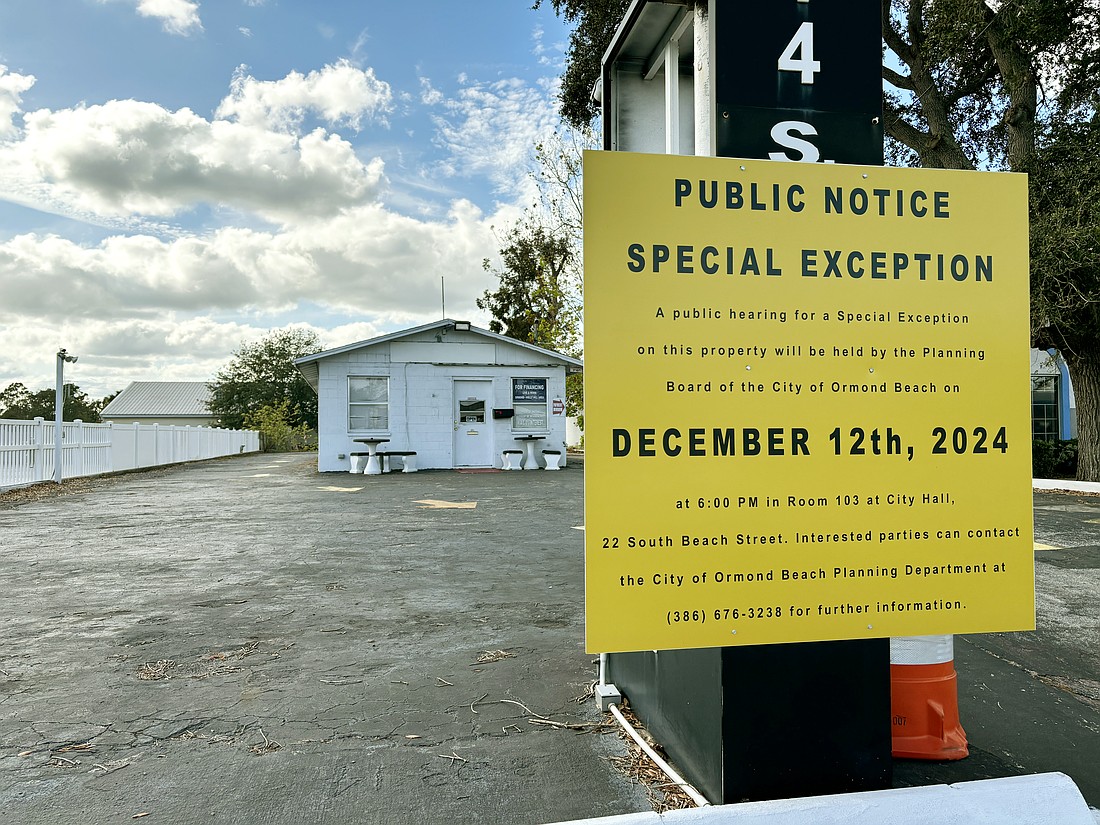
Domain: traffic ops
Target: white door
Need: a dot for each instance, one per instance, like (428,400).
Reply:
(473,424)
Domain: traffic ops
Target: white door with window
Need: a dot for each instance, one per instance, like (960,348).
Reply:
(473,424)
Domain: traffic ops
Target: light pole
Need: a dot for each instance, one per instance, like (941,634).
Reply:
(59,403)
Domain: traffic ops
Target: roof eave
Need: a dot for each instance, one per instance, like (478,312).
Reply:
(445,323)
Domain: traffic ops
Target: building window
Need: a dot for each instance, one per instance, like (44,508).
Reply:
(529,402)
(472,411)
(368,403)
(1044,408)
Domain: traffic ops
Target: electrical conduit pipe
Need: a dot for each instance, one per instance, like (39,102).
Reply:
(696,797)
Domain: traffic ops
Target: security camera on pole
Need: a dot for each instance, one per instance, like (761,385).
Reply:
(59,403)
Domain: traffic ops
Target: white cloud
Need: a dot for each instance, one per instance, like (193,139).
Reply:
(176,16)
(127,157)
(170,347)
(143,308)
(429,95)
(148,303)
(490,129)
(12,86)
(245,31)
(362,263)
(170,326)
(358,47)
(115,353)
(538,49)
(552,55)
(341,94)
(345,334)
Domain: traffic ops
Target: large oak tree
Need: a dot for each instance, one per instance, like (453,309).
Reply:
(978,84)
(262,374)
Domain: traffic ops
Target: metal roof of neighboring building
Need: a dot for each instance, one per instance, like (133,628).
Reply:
(160,398)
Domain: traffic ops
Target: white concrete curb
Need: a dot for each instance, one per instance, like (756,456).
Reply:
(1041,799)
(1065,484)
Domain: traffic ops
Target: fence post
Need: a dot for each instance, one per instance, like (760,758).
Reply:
(39,448)
(80,446)
(111,443)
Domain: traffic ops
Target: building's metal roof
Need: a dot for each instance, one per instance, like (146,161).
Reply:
(307,364)
(160,398)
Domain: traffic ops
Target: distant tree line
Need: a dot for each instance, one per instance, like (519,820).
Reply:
(18,403)
(259,389)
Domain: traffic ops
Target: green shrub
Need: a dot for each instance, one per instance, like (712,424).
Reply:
(276,433)
(1054,459)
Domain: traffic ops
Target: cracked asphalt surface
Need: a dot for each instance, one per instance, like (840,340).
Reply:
(248,641)
(1030,702)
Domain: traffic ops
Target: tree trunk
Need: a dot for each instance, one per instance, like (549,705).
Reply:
(1084,371)
(1020,84)
(938,148)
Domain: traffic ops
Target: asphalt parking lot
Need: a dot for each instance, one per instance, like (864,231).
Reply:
(249,641)
(1030,702)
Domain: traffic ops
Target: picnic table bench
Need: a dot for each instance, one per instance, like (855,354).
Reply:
(408,460)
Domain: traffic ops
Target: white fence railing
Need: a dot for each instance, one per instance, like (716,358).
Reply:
(27,447)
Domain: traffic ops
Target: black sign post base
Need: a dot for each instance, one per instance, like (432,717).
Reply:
(821,723)
(768,721)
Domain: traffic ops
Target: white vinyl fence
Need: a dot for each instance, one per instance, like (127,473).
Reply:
(27,447)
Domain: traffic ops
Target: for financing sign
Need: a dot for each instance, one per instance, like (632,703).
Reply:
(806,402)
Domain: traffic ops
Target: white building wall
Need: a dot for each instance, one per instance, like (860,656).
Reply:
(421,397)
(504,435)
(574,435)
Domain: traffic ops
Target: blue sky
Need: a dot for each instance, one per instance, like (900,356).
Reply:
(178,176)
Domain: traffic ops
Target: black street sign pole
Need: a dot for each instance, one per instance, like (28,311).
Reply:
(802,81)
(793,80)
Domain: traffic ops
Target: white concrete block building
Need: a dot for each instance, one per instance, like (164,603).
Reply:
(457,395)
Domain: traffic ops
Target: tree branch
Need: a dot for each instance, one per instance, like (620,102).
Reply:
(916,25)
(974,85)
(1014,65)
(897,80)
(894,41)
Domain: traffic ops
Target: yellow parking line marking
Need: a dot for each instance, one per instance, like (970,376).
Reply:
(435,504)
(340,489)
(1046,547)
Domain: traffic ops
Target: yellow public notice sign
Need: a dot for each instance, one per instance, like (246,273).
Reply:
(807,410)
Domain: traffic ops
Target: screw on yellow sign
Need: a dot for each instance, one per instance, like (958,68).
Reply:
(806,402)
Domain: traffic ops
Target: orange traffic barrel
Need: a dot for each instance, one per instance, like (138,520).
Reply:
(924,699)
